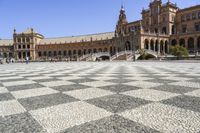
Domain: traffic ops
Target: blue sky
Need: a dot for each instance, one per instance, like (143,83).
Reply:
(57,18)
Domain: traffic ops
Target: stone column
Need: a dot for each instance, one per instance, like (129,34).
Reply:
(158,47)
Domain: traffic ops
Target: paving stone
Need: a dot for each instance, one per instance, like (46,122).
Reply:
(6,97)
(34,103)
(185,102)
(70,87)
(117,103)
(112,124)
(20,123)
(119,88)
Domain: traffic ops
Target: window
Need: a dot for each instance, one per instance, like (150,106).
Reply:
(28,46)
(173,18)
(23,39)
(164,19)
(188,17)
(182,18)
(19,40)
(27,39)
(193,16)
(59,53)
(184,28)
(45,53)
(39,54)
(197,26)
(19,47)
(24,46)
(199,15)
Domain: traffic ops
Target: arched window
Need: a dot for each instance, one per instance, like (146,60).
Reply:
(49,54)
(65,53)
(100,50)
(166,47)
(94,50)
(174,42)
(69,52)
(89,51)
(164,30)
(20,55)
(105,50)
(191,43)
(84,51)
(173,29)
(79,52)
(152,45)
(156,45)
(146,45)
(74,52)
(182,42)
(45,53)
(198,43)
(59,53)
(161,46)
(55,53)
(128,46)
(39,54)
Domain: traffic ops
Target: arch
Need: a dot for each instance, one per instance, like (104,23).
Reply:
(161,46)
(45,53)
(10,55)
(152,45)
(182,42)
(65,53)
(20,55)
(173,29)
(74,52)
(156,45)
(128,45)
(55,53)
(174,42)
(89,51)
(59,53)
(164,30)
(70,53)
(84,51)
(39,54)
(111,50)
(105,50)
(198,42)
(191,43)
(79,52)
(146,44)
(49,54)
(100,50)
(24,54)
(94,50)
(166,46)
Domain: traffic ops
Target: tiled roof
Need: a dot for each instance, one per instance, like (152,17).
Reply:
(6,42)
(74,39)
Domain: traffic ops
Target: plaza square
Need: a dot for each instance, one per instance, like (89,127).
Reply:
(81,97)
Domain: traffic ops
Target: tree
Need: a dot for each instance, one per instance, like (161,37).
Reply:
(179,51)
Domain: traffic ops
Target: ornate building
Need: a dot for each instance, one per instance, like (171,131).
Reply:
(161,26)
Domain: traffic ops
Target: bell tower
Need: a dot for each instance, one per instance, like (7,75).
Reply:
(120,27)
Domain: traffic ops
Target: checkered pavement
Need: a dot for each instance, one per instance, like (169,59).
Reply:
(108,97)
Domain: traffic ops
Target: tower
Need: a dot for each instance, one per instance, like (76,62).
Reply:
(122,21)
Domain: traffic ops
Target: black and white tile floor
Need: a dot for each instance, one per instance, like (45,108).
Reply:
(100,97)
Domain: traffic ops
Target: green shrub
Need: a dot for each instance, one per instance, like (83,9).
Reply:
(179,51)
